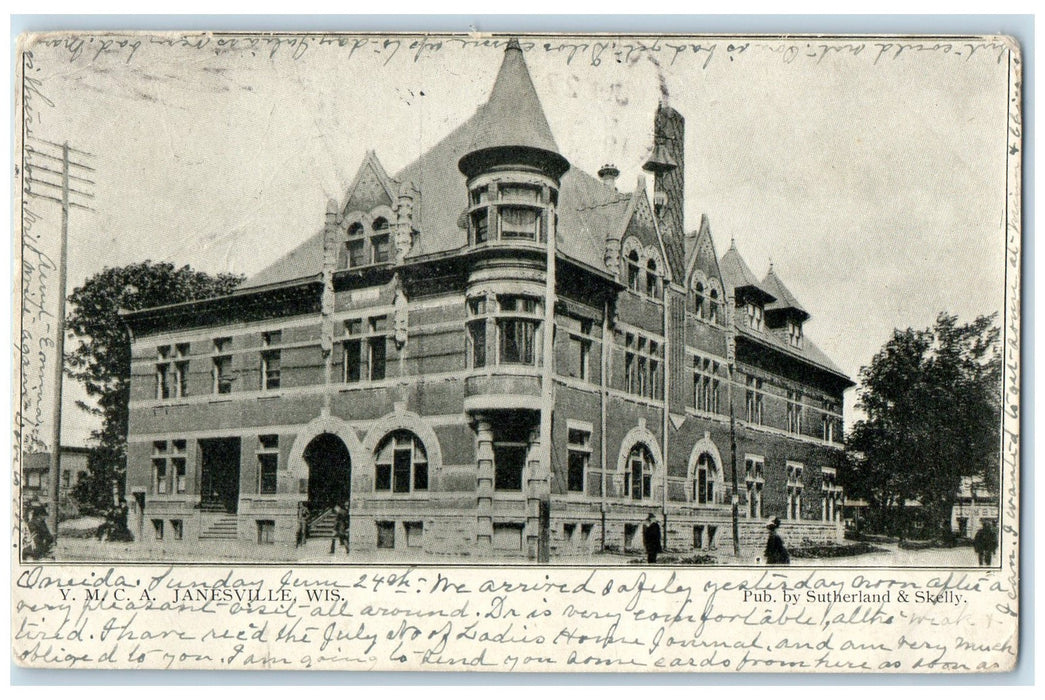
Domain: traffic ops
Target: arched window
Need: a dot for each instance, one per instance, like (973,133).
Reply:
(704,479)
(380,241)
(633,271)
(401,464)
(713,306)
(638,477)
(356,244)
(698,299)
(652,279)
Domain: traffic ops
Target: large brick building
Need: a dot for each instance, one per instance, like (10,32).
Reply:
(471,390)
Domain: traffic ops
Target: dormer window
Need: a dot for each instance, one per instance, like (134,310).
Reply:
(380,240)
(698,299)
(633,271)
(794,333)
(755,316)
(652,279)
(356,245)
(713,306)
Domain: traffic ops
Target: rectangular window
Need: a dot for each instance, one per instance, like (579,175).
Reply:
(579,444)
(270,361)
(520,193)
(159,470)
(509,461)
(179,474)
(794,334)
(382,249)
(420,476)
(479,195)
(794,490)
(755,316)
(414,534)
(754,479)
(383,477)
(267,466)
(157,528)
(579,356)
(181,378)
(633,276)
(221,374)
(705,385)
(386,534)
(477,342)
(357,252)
(630,377)
(163,383)
(481,225)
(508,537)
(401,470)
(518,341)
(754,401)
(177,529)
(520,222)
(266,531)
(794,412)
(268,463)
(352,361)
(377,348)
(828,427)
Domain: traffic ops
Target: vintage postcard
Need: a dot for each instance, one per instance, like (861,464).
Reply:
(493,352)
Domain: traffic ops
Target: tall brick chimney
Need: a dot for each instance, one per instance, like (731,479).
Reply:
(668,166)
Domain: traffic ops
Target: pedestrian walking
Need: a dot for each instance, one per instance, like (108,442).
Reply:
(985,541)
(340,527)
(776,553)
(651,538)
(303,514)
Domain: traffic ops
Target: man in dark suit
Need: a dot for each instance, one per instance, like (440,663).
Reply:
(776,552)
(651,538)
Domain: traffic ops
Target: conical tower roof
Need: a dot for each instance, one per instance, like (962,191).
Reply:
(511,126)
(785,300)
(738,276)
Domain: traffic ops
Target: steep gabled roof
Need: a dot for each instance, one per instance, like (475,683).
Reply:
(588,209)
(700,252)
(736,275)
(785,300)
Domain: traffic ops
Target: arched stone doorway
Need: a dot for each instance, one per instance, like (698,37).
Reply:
(329,472)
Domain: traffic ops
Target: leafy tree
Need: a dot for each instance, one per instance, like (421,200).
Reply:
(932,401)
(101,361)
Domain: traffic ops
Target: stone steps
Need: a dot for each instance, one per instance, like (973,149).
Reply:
(220,529)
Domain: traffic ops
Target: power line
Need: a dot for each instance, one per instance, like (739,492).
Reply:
(59,159)
(59,173)
(61,146)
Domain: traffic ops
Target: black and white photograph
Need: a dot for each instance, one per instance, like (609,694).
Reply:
(669,305)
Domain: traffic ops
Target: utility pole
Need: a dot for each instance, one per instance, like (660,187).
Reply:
(36,171)
(731,361)
(548,403)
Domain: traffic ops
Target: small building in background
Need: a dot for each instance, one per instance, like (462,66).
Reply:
(36,479)
(975,505)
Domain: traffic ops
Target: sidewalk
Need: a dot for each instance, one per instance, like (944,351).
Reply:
(317,551)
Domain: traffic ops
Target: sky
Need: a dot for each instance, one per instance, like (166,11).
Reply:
(871,174)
